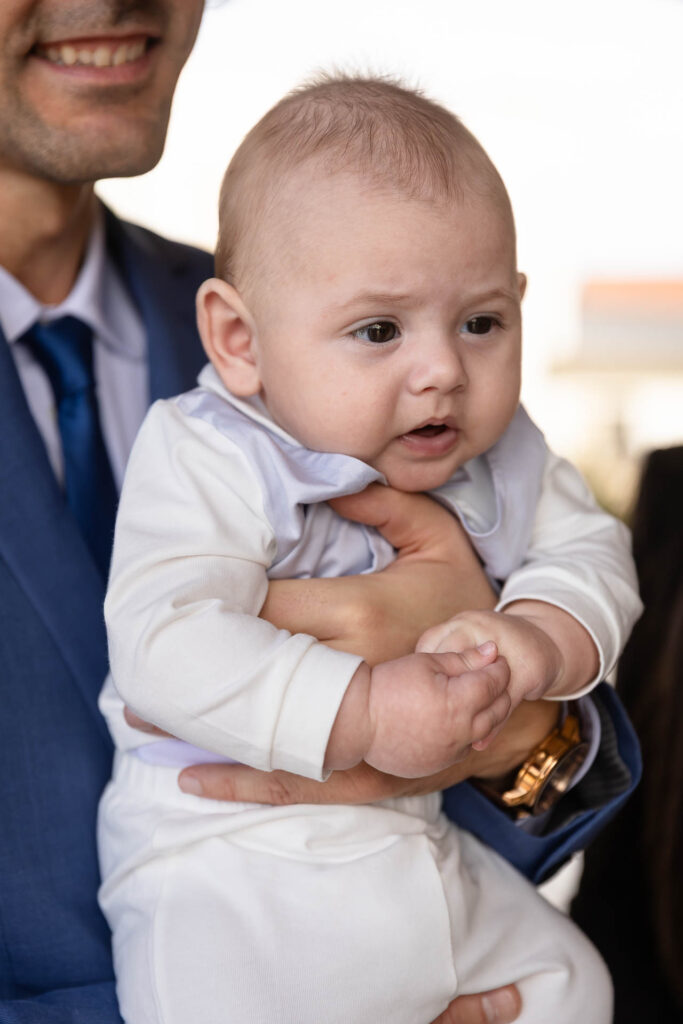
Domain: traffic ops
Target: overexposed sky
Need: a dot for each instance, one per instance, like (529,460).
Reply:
(579,104)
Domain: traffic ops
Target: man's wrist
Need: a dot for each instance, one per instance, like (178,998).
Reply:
(546,774)
(529,723)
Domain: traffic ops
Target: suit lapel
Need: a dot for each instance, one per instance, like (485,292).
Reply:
(39,539)
(162,278)
(41,543)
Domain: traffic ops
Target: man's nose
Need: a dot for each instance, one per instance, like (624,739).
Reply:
(438,366)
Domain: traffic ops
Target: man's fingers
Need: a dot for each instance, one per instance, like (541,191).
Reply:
(408,521)
(239,783)
(359,785)
(501,1006)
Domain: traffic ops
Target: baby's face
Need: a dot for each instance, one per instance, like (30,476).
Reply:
(389,328)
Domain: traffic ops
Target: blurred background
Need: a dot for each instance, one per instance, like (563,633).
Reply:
(581,108)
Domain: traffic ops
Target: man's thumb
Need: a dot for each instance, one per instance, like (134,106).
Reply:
(408,521)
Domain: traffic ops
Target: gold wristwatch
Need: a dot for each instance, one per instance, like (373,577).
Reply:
(546,773)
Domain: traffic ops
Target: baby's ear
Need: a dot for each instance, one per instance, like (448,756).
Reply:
(228,333)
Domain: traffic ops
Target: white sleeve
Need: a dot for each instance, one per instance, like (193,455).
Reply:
(579,559)
(187,649)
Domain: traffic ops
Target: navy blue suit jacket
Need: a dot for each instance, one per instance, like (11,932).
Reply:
(55,753)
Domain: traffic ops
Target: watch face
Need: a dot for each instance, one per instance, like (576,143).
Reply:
(560,778)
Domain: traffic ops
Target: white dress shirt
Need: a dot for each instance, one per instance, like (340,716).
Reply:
(99,299)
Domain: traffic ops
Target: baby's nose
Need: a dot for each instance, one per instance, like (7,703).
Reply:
(438,366)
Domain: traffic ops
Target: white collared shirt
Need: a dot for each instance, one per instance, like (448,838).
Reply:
(99,299)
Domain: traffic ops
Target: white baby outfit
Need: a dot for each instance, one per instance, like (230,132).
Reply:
(238,913)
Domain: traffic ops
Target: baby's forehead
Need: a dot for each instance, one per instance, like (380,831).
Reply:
(300,198)
(291,214)
(314,189)
(352,235)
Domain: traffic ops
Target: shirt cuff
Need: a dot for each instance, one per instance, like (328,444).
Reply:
(310,709)
(591,733)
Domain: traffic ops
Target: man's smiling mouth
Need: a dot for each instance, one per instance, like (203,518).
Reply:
(98,53)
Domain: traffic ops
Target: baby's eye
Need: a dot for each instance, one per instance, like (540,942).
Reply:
(480,324)
(379,333)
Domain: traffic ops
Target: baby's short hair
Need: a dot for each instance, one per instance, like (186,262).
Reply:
(391,136)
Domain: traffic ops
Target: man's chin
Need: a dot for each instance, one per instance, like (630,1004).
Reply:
(93,155)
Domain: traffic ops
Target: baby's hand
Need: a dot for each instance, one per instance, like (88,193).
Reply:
(426,710)
(536,663)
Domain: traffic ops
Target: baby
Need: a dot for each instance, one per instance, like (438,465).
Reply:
(365,326)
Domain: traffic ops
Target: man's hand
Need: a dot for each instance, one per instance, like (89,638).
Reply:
(381,616)
(501,1006)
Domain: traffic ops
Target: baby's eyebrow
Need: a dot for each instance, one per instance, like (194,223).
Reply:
(387,299)
(493,295)
(373,299)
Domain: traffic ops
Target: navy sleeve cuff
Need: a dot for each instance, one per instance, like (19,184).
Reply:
(580,814)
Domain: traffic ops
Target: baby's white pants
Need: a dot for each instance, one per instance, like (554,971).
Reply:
(377,914)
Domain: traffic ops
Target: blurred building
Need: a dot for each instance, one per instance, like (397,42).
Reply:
(626,379)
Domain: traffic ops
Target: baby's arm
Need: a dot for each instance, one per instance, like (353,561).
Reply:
(189,575)
(569,608)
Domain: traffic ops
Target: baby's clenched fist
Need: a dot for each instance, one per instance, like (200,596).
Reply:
(418,714)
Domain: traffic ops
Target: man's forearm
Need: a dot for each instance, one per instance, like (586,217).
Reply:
(379,617)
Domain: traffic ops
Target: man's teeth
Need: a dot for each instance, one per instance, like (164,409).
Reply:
(104,55)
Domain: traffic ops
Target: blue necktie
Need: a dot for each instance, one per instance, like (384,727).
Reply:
(64,350)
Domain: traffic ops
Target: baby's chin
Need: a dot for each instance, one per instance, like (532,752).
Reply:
(416,479)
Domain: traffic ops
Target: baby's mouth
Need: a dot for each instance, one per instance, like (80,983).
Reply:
(431,430)
(431,440)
